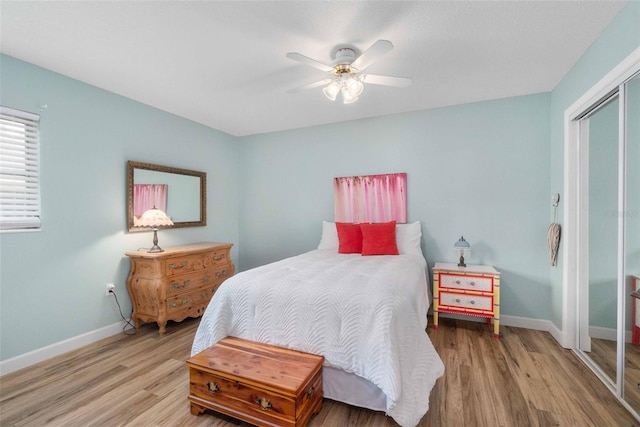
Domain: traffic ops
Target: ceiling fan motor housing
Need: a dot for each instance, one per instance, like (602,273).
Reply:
(345,56)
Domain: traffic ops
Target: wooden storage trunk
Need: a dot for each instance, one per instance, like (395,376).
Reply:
(258,383)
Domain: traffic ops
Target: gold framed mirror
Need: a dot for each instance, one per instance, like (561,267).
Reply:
(181,193)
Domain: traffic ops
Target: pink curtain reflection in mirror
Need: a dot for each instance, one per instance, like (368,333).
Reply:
(148,196)
(371,198)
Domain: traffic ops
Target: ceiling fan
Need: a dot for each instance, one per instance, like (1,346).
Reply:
(347,77)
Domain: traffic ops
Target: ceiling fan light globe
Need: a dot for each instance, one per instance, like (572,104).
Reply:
(354,87)
(331,91)
(347,98)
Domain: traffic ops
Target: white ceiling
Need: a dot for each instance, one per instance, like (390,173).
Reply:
(223,64)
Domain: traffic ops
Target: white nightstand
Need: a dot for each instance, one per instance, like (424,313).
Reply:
(473,290)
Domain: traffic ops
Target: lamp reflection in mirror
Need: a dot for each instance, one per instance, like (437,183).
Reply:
(154,218)
(462,248)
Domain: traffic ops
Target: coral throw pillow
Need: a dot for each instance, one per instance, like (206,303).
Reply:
(349,238)
(379,239)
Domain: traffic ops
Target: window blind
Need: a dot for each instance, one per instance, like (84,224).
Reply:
(19,170)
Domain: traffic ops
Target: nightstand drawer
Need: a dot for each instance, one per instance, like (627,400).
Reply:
(475,302)
(475,283)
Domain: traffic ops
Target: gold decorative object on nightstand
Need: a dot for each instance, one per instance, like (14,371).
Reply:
(473,290)
(177,283)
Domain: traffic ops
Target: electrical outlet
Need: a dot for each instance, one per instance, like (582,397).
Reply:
(110,288)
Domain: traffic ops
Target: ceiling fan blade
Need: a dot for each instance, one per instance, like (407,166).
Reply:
(385,80)
(310,86)
(376,50)
(311,62)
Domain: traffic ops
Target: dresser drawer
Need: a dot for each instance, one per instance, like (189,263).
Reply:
(186,264)
(221,272)
(476,283)
(190,300)
(475,302)
(178,285)
(218,257)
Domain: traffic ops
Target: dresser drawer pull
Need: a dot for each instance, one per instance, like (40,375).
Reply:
(472,283)
(264,403)
(177,285)
(457,282)
(213,387)
(222,273)
(219,257)
(183,264)
(310,392)
(184,301)
(457,300)
(472,302)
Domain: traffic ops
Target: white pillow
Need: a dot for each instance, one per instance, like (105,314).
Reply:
(329,238)
(408,238)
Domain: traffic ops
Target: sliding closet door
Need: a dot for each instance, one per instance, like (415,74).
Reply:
(599,308)
(631,217)
(602,221)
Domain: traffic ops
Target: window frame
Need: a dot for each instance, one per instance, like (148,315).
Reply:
(20,161)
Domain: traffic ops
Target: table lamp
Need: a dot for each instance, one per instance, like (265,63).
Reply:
(154,218)
(462,248)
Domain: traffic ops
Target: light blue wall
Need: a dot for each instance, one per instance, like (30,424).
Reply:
(53,281)
(615,43)
(481,170)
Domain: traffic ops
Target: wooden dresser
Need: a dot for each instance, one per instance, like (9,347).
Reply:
(177,283)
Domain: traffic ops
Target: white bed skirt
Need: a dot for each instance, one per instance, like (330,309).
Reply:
(352,389)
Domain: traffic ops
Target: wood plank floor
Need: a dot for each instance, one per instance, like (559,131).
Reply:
(604,353)
(523,379)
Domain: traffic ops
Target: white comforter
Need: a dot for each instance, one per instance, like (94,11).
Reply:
(365,315)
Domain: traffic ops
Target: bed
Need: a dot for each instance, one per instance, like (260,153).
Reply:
(365,314)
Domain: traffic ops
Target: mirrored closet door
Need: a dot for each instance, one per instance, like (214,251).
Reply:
(609,259)
(631,218)
(599,308)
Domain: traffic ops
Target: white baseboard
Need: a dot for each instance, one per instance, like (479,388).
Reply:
(526,322)
(41,354)
(515,321)
(607,334)
(518,322)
